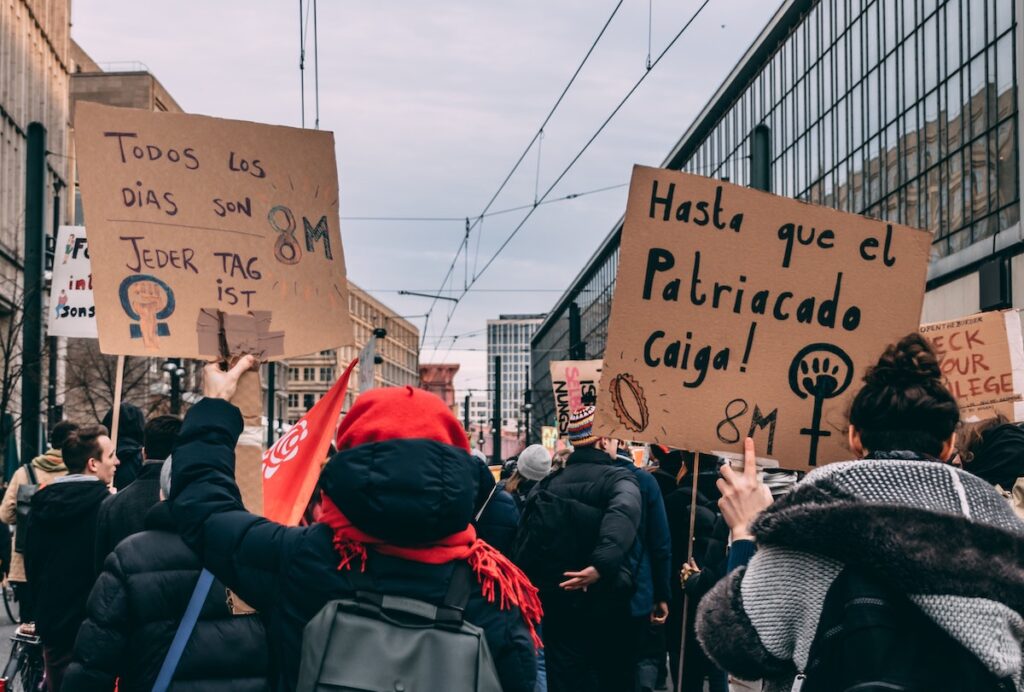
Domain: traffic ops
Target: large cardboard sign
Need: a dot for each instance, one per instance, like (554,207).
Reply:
(982,362)
(72,306)
(740,313)
(211,236)
(575,383)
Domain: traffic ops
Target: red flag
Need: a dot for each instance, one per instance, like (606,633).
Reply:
(292,466)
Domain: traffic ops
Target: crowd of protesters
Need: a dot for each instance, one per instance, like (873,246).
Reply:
(900,569)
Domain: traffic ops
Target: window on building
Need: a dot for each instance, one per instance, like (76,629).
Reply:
(293,374)
(308,400)
(309,374)
(327,374)
(293,400)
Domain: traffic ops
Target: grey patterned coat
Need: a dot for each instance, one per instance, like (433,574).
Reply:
(938,534)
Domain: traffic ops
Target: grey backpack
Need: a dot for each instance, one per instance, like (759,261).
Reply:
(382,643)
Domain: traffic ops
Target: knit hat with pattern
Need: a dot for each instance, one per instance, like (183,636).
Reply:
(581,427)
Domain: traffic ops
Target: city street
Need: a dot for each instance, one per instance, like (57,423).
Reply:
(514,346)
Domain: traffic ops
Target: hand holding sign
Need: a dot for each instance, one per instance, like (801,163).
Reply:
(740,314)
(744,496)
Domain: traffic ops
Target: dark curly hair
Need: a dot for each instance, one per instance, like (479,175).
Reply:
(903,404)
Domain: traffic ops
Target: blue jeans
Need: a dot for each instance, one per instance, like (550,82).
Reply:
(542,669)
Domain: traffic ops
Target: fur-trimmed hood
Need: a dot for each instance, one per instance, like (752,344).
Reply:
(936,533)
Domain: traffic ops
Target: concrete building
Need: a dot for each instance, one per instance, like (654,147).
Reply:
(509,337)
(310,377)
(35,68)
(439,378)
(904,111)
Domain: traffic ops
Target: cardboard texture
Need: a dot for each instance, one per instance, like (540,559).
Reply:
(188,213)
(575,383)
(249,451)
(72,310)
(982,363)
(740,313)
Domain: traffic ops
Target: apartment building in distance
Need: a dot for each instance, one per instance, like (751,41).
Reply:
(509,337)
(310,377)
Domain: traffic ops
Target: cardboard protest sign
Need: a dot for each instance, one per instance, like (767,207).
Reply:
(72,307)
(982,363)
(211,237)
(575,384)
(740,313)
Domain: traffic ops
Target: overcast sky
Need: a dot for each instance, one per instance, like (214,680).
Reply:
(431,104)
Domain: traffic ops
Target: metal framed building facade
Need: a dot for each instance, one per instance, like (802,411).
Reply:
(905,110)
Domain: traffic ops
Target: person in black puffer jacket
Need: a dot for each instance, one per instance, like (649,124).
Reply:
(401,487)
(134,611)
(575,539)
(499,515)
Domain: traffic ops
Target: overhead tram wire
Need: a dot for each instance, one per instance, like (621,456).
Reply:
(515,167)
(452,219)
(575,159)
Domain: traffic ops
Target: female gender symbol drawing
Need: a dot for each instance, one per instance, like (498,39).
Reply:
(823,371)
(148,300)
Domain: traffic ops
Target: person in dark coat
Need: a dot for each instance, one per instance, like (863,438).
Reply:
(533,465)
(587,513)
(709,555)
(130,441)
(60,543)
(670,463)
(124,514)
(652,560)
(398,499)
(134,611)
(496,515)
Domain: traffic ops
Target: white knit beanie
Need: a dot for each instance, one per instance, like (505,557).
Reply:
(534,463)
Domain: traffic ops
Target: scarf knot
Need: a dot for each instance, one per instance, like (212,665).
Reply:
(501,582)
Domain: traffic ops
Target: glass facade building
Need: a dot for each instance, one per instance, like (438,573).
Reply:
(904,110)
(509,337)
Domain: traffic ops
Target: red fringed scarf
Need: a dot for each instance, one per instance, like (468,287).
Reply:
(499,578)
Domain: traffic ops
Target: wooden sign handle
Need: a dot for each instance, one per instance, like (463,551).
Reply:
(249,451)
(115,417)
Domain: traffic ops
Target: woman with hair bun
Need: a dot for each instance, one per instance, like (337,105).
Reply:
(896,571)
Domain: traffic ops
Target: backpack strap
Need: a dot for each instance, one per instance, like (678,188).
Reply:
(184,633)
(460,587)
(450,612)
(31,473)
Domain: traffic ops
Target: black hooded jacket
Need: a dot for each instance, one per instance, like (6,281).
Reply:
(59,555)
(130,442)
(410,491)
(124,514)
(134,611)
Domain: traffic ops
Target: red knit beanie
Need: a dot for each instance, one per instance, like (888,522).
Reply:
(404,413)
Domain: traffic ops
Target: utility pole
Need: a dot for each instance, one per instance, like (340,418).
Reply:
(32,324)
(465,412)
(577,349)
(527,408)
(271,402)
(496,431)
(52,414)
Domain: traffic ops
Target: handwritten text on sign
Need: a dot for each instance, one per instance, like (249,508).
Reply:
(740,313)
(982,362)
(575,385)
(72,306)
(207,234)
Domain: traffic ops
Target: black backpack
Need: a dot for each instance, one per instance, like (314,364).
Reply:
(871,638)
(556,535)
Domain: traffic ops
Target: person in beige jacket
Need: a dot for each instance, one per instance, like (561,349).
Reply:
(47,468)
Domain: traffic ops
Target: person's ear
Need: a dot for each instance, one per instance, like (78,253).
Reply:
(856,445)
(948,447)
(92,465)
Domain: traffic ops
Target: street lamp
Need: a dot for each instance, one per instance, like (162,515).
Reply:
(172,366)
(527,408)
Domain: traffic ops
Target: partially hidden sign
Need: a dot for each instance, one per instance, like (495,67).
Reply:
(211,237)
(740,313)
(982,362)
(575,384)
(72,306)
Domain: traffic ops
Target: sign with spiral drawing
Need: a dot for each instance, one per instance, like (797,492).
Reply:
(738,313)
